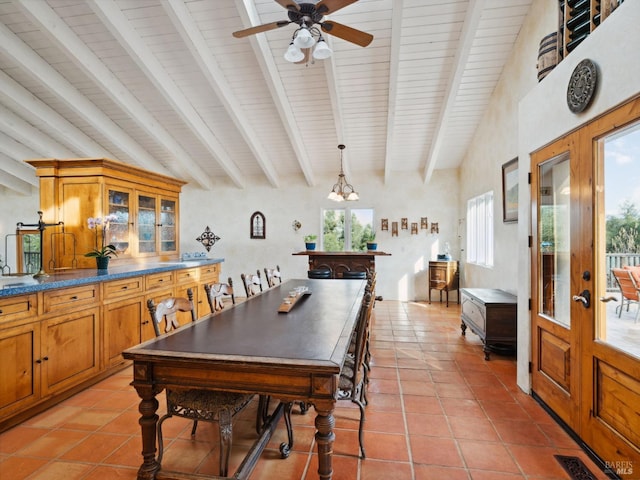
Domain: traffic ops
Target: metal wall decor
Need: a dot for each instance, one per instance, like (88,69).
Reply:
(582,86)
(258,225)
(424,223)
(434,228)
(208,238)
(384,224)
(296,225)
(405,223)
(414,228)
(394,229)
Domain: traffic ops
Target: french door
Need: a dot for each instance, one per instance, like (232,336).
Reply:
(586,347)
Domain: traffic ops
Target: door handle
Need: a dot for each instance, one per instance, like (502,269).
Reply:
(608,299)
(584,297)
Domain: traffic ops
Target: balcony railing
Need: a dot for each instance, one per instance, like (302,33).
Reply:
(619,260)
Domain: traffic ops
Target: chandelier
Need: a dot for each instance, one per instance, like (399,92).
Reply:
(305,38)
(342,190)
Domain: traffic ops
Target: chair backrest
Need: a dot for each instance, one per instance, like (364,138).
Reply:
(362,329)
(273,276)
(627,283)
(166,311)
(217,292)
(252,283)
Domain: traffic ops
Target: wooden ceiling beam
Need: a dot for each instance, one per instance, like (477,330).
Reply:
(394,64)
(469,30)
(30,136)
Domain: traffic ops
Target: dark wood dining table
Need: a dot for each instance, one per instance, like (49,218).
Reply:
(294,356)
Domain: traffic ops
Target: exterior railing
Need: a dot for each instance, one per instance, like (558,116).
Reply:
(619,260)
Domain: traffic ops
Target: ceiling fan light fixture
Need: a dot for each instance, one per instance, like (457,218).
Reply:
(322,50)
(293,54)
(342,190)
(303,38)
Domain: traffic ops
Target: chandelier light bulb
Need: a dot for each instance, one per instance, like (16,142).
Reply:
(304,39)
(293,54)
(322,50)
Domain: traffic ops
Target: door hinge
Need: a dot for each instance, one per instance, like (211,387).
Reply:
(529,178)
(530,241)
(530,367)
(529,304)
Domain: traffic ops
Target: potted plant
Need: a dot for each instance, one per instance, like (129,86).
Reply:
(310,242)
(104,253)
(371,242)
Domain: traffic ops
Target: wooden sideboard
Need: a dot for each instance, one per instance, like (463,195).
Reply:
(340,262)
(68,331)
(492,315)
(444,276)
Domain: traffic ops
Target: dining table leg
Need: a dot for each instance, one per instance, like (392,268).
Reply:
(325,438)
(148,422)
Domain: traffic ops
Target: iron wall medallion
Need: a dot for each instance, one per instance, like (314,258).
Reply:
(582,85)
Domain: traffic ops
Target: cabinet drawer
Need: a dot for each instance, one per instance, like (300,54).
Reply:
(14,308)
(156,280)
(121,288)
(209,273)
(65,298)
(189,275)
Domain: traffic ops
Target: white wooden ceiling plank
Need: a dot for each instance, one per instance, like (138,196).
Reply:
(66,39)
(249,16)
(116,22)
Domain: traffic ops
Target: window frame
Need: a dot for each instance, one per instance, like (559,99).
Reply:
(347,224)
(480,230)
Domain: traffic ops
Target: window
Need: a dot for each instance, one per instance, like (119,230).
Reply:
(347,229)
(480,230)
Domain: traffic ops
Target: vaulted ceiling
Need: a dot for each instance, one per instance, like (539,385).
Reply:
(163,84)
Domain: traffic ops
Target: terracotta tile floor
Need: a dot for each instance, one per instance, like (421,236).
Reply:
(437,410)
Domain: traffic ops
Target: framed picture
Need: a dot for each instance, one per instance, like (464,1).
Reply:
(510,191)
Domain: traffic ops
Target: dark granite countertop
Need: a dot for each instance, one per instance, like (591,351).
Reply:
(18,285)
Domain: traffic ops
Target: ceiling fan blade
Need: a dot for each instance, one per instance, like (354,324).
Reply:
(325,7)
(260,28)
(307,55)
(347,33)
(289,4)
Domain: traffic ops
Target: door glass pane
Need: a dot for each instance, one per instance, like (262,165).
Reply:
(167,225)
(554,235)
(118,233)
(146,224)
(618,208)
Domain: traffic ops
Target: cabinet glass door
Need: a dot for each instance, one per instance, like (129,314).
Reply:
(146,224)
(118,233)
(167,225)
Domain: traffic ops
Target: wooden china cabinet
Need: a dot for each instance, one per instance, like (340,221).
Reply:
(145,206)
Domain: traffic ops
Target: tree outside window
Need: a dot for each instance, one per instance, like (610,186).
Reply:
(347,229)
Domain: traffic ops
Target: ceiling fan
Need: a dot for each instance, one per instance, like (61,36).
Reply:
(307,15)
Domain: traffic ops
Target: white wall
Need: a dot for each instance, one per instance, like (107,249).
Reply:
(227,211)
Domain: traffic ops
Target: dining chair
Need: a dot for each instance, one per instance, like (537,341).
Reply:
(319,273)
(351,385)
(196,405)
(629,290)
(273,276)
(252,283)
(217,293)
